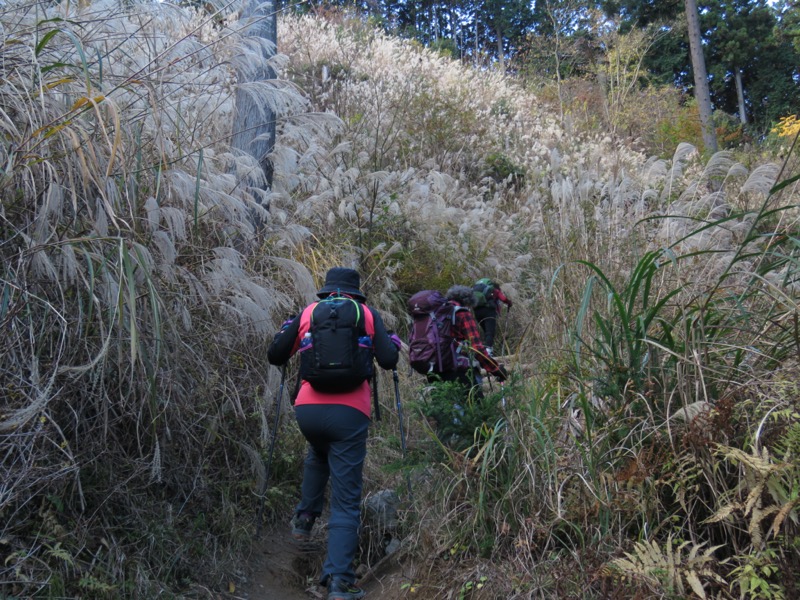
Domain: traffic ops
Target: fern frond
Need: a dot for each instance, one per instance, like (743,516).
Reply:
(669,566)
(786,511)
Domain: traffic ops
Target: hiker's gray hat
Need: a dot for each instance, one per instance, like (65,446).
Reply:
(342,280)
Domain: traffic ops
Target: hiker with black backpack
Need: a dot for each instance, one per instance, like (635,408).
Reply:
(488,298)
(337,339)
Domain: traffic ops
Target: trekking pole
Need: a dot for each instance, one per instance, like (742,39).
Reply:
(263,493)
(506,349)
(375,395)
(506,430)
(400,417)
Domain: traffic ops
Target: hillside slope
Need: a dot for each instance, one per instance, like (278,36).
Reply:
(652,343)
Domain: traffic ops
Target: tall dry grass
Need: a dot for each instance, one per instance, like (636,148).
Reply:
(143,277)
(136,299)
(651,295)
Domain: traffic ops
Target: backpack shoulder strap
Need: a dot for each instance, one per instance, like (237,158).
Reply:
(456,309)
(369,320)
(305,319)
(364,320)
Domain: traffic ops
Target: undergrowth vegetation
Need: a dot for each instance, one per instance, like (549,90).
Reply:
(645,446)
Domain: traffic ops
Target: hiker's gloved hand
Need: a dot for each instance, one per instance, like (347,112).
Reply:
(509,303)
(500,374)
(395,339)
(287,322)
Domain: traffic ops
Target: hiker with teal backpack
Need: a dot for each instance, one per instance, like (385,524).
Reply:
(337,339)
(488,298)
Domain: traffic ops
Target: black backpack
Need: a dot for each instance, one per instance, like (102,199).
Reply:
(431,345)
(336,353)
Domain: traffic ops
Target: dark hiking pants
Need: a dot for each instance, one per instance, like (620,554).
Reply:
(337,437)
(487,319)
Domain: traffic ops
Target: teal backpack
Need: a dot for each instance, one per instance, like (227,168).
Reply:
(483,291)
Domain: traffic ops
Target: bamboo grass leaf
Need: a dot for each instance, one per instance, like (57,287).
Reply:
(50,85)
(613,296)
(43,41)
(85,100)
(582,312)
(785,183)
(5,300)
(84,62)
(198,179)
(130,282)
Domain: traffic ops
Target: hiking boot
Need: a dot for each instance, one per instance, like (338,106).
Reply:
(302,524)
(339,589)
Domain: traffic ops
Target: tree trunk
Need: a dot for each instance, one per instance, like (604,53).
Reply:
(553,16)
(250,121)
(740,95)
(501,53)
(475,57)
(701,92)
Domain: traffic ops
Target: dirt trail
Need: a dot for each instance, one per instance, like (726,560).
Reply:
(284,569)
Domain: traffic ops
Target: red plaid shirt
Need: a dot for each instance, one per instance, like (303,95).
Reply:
(466,330)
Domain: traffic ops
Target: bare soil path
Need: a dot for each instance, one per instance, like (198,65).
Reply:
(284,569)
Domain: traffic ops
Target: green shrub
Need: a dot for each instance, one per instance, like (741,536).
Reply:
(500,168)
(460,422)
(681,126)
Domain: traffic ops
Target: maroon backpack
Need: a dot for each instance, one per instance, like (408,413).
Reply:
(431,346)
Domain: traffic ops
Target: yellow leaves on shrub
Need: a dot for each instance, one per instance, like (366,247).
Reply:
(787,127)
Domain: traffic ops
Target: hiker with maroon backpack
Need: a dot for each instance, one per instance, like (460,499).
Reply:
(445,339)
(337,339)
(468,336)
(488,299)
